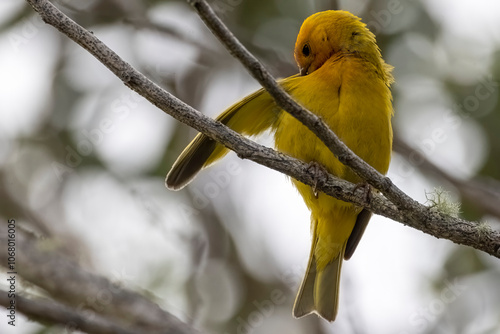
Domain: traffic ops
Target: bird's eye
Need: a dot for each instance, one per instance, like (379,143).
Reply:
(305,50)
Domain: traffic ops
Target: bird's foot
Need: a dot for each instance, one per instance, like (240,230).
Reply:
(319,174)
(366,191)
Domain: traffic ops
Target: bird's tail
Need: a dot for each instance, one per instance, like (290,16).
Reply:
(319,291)
(250,116)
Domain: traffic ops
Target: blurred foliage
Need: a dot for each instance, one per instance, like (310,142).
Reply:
(47,180)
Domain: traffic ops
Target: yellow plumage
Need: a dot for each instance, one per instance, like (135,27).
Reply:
(344,81)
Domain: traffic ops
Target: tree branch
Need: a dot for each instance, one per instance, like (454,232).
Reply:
(402,201)
(45,310)
(41,263)
(312,121)
(413,213)
(401,207)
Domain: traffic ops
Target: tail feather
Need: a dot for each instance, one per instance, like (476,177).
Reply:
(319,291)
(326,289)
(304,302)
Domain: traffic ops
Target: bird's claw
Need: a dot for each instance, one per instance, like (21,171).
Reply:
(366,188)
(319,174)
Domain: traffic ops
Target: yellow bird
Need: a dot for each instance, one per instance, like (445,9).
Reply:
(344,80)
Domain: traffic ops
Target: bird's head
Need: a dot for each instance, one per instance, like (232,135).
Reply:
(327,33)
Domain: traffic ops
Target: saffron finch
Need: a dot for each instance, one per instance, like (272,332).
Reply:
(344,80)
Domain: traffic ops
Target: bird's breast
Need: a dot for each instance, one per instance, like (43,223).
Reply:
(354,102)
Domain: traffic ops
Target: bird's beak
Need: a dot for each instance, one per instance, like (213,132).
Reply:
(303,70)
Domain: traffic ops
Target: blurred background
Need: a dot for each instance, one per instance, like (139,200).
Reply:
(83,161)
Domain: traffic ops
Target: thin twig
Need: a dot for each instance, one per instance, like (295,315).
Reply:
(407,211)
